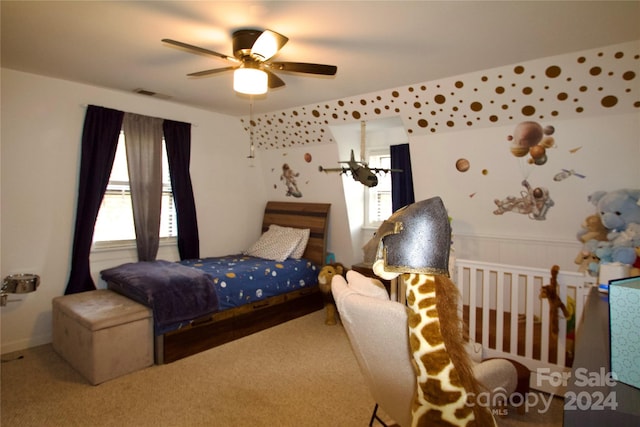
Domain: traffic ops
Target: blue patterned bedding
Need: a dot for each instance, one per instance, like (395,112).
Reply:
(179,292)
(242,279)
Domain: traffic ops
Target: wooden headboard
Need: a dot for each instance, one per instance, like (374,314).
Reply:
(314,216)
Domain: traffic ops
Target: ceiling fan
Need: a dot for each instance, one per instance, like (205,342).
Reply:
(252,54)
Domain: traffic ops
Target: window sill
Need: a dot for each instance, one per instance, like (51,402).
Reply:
(371,227)
(121,245)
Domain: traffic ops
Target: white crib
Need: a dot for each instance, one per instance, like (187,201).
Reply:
(505,296)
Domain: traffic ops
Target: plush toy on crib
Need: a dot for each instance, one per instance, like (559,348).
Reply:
(324,280)
(619,212)
(550,292)
(592,229)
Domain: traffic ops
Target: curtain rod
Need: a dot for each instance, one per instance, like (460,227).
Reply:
(86,105)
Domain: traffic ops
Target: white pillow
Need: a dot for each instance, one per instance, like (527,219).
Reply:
(275,244)
(304,234)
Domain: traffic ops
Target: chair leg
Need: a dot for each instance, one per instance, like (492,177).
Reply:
(375,416)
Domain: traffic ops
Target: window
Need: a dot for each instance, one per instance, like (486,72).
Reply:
(115,218)
(378,199)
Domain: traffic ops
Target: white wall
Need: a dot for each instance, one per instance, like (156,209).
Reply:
(315,187)
(42,125)
(42,121)
(589,97)
(608,154)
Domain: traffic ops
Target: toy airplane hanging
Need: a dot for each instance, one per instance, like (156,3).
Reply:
(360,171)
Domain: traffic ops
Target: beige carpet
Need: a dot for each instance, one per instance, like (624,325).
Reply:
(301,373)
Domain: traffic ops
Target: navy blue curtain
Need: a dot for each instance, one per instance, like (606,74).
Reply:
(177,137)
(99,142)
(401,182)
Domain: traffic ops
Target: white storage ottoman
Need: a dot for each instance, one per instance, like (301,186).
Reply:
(102,334)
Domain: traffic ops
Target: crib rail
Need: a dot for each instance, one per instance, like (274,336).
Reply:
(503,310)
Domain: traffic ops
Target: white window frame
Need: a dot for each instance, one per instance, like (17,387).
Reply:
(122,187)
(374,161)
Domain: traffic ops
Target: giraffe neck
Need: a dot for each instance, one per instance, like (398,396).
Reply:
(440,398)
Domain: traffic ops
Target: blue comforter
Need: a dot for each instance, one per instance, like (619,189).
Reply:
(175,293)
(181,292)
(242,279)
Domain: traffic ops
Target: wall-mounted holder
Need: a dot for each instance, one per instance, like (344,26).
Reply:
(18,284)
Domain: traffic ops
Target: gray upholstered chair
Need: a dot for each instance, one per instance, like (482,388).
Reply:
(378,333)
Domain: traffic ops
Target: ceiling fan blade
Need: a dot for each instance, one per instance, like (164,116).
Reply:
(304,67)
(274,81)
(209,72)
(267,45)
(196,49)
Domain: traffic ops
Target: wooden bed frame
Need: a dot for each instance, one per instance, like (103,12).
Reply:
(205,333)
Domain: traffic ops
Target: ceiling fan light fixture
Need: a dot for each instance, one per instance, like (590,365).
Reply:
(268,44)
(250,81)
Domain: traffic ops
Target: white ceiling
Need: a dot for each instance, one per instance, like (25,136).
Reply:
(375,44)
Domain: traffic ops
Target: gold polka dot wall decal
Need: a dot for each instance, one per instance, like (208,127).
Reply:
(528,110)
(465,101)
(609,101)
(553,71)
(485,172)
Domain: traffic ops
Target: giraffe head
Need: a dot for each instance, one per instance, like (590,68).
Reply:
(415,239)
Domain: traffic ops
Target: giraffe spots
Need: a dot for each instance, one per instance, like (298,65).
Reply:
(411,297)
(454,378)
(434,418)
(427,287)
(435,361)
(413,319)
(431,333)
(464,412)
(427,302)
(434,393)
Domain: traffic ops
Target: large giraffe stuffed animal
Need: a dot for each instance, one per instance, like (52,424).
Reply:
(415,243)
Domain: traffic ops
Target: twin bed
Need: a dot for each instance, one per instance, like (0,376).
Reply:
(202,303)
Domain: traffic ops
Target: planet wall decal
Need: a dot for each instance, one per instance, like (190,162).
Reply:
(462,165)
